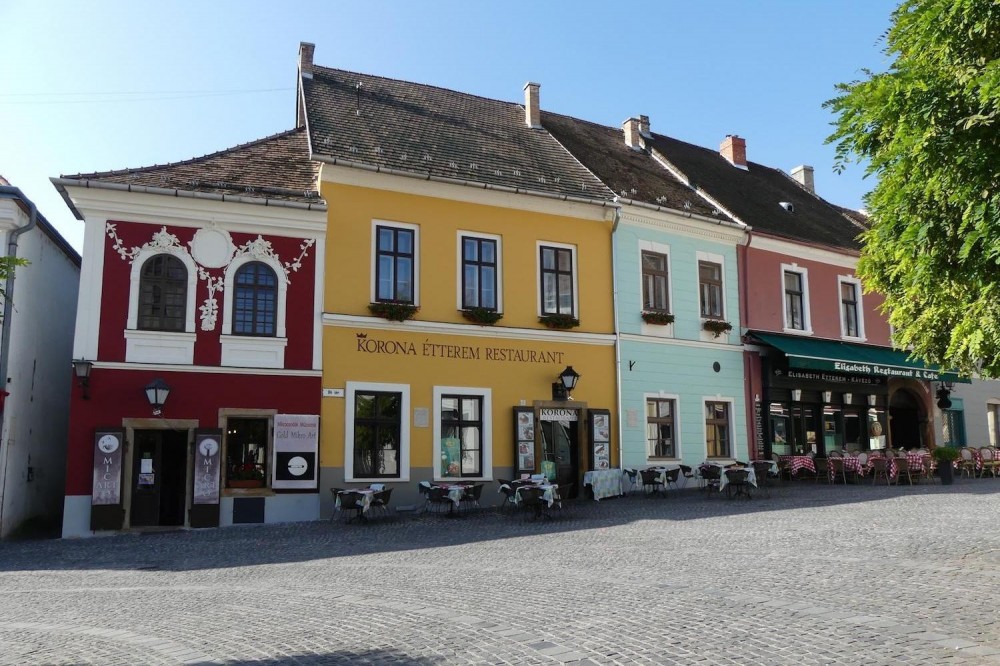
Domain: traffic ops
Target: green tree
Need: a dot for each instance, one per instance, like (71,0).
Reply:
(7,266)
(928,129)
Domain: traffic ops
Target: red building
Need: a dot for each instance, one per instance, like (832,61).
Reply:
(198,341)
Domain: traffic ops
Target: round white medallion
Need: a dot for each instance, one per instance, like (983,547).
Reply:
(212,248)
(297,466)
(208,447)
(108,444)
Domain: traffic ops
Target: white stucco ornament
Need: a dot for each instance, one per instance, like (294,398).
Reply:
(212,247)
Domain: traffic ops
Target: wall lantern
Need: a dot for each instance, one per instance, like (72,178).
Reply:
(847,398)
(796,394)
(872,399)
(567,382)
(81,368)
(827,396)
(944,395)
(157,392)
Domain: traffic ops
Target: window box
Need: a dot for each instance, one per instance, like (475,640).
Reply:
(560,321)
(657,318)
(482,316)
(717,326)
(393,310)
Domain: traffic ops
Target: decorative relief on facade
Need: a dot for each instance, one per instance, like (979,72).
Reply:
(211,248)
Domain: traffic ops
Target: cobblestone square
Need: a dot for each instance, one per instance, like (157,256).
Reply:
(815,574)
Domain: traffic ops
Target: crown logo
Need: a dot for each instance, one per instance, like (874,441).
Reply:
(361,336)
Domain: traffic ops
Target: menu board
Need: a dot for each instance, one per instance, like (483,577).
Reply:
(524,440)
(600,438)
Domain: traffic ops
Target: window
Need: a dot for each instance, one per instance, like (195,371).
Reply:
(660,433)
(993,422)
(794,301)
(255,300)
(710,284)
(163,294)
(850,322)
(377,417)
(654,282)
(394,264)
(556,274)
(479,273)
(247,442)
(954,427)
(461,435)
(717,429)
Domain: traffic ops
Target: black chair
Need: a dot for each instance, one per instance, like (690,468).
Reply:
(352,501)
(651,480)
(437,499)
(507,490)
(532,500)
(631,478)
(737,483)
(471,496)
(380,501)
(711,477)
(762,470)
(670,479)
(687,471)
(562,494)
(334,492)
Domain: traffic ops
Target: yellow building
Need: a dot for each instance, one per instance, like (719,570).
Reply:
(448,210)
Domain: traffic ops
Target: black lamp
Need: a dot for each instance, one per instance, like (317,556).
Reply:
(943,395)
(157,392)
(569,377)
(81,368)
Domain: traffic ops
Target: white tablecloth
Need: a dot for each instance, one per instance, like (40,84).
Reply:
(604,482)
(751,477)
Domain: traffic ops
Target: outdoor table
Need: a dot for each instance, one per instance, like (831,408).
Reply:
(751,477)
(773,465)
(795,463)
(851,464)
(366,497)
(890,463)
(604,483)
(550,492)
(661,472)
(916,460)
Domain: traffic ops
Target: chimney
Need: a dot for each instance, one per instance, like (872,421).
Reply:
(633,132)
(644,127)
(804,175)
(734,149)
(532,110)
(306,59)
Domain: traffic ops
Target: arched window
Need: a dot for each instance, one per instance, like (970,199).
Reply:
(162,294)
(255,300)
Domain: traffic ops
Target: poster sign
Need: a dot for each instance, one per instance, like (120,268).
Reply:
(207,466)
(296,451)
(108,446)
(600,429)
(524,439)
(451,453)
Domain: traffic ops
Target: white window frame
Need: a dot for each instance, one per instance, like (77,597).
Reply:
(574,257)
(253,350)
(803,273)
(715,259)
(657,248)
(487,433)
(661,395)
(460,265)
(992,409)
(374,257)
(226,413)
(732,426)
(173,347)
(859,304)
(350,391)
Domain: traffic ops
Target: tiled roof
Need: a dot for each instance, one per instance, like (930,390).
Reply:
(429,131)
(275,168)
(754,196)
(860,217)
(631,174)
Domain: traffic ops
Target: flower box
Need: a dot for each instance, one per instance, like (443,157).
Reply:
(482,316)
(717,326)
(562,321)
(657,317)
(393,310)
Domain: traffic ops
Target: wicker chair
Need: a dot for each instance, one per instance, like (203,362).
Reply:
(990,463)
(967,464)
(880,469)
(837,469)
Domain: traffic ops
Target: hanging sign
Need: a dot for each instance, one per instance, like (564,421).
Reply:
(108,445)
(296,451)
(207,465)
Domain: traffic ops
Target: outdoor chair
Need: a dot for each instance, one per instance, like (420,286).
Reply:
(822,469)
(334,492)
(651,483)
(471,496)
(532,500)
(762,470)
(687,472)
(989,461)
(507,490)
(836,469)
(880,469)
(352,501)
(711,477)
(670,479)
(630,479)
(380,500)
(737,483)
(903,470)
(437,500)
(968,461)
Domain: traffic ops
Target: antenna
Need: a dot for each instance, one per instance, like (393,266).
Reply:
(358,89)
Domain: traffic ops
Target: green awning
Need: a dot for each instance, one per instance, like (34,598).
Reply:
(852,359)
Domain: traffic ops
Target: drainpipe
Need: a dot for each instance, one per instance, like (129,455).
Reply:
(8,192)
(618,346)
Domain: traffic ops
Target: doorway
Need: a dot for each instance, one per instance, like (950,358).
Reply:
(560,448)
(905,431)
(159,478)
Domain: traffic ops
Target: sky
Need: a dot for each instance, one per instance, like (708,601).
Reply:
(102,85)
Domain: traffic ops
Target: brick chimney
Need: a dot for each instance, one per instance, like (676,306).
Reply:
(804,175)
(734,149)
(633,132)
(306,59)
(532,109)
(644,127)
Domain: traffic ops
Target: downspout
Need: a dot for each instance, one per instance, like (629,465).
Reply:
(7,192)
(618,347)
(752,449)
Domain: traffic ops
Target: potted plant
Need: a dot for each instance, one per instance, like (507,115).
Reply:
(717,326)
(945,457)
(559,321)
(393,310)
(482,316)
(247,475)
(657,317)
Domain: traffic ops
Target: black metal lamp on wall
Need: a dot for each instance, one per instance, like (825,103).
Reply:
(81,368)
(944,395)
(562,389)
(157,392)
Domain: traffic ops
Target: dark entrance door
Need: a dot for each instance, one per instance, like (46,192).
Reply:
(560,444)
(159,478)
(904,421)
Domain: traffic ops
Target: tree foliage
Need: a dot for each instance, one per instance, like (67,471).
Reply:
(7,266)
(929,129)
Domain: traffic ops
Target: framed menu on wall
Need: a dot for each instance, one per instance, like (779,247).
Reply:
(524,440)
(599,429)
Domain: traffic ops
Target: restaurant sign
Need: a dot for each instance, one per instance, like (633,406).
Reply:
(369,344)
(557,414)
(871,369)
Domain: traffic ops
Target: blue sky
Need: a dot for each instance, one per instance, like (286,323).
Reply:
(99,85)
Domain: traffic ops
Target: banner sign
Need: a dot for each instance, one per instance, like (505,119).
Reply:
(207,466)
(108,446)
(296,451)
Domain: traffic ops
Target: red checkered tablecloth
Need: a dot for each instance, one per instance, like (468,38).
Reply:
(795,463)
(891,463)
(851,464)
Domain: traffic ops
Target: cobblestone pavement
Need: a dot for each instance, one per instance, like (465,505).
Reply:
(812,575)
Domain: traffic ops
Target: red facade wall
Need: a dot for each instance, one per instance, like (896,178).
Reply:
(117,394)
(300,311)
(764,293)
